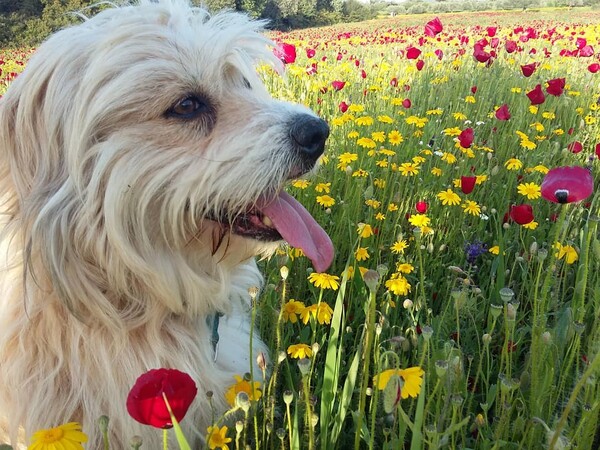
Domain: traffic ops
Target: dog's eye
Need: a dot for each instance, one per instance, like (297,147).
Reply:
(187,108)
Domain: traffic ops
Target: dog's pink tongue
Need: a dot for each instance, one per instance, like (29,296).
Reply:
(299,229)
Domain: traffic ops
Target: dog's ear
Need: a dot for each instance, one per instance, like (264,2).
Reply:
(29,146)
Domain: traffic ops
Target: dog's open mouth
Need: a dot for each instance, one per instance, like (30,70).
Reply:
(254,224)
(283,217)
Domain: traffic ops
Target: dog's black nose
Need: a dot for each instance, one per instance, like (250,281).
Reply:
(309,134)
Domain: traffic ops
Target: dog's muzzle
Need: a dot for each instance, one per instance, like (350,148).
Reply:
(277,215)
(308,135)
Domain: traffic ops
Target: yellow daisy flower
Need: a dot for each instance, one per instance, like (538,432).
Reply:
(300,184)
(513,164)
(405,268)
(320,311)
(412,378)
(361,254)
(324,280)
(375,204)
(395,138)
(242,385)
(567,252)
(449,158)
(366,142)
(325,200)
(449,197)
(529,190)
(408,169)
(398,285)
(291,310)
(217,438)
(323,187)
(454,131)
(378,136)
(531,225)
(471,207)
(399,246)
(364,230)
(419,220)
(299,351)
(67,436)
(364,121)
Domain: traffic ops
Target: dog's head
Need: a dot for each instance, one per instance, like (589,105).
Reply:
(145,155)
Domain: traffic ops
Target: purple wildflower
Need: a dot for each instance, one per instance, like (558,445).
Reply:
(474,249)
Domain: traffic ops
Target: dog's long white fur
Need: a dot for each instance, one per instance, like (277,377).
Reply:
(108,268)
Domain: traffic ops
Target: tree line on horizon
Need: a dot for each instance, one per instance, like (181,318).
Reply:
(29,22)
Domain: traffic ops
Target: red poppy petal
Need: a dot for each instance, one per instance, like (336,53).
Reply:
(522,214)
(467,184)
(567,184)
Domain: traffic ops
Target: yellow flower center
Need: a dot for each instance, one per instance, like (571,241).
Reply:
(52,435)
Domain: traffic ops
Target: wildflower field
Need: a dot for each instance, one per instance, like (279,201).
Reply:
(463,306)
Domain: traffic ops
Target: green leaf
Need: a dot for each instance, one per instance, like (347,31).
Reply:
(181,440)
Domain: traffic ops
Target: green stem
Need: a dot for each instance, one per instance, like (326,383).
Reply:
(369,332)
(595,365)
(165,439)
(311,433)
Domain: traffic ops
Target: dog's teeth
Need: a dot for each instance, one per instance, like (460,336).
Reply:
(267,221)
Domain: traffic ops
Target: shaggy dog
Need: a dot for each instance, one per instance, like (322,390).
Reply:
(142,166)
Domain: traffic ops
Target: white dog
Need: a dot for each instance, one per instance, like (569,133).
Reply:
(142,166)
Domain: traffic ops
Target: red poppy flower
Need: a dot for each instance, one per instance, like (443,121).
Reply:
(343,107)
(575,147)
(510,46)
(597,150)
(413,52)
(491,31)
(556,86)
(467,184)
(439,54)
(145,402)
(363,74)
(310,52)
(580,42)
(465,138)
(586,51)
(536,96)
(473,89)
(394,82)
(521,214)
(285,52)
(594,67)
(433,27)
(406,103)
(421,207)
(528,69)
(480,54)
(567,184)
(420,64)
(338,85)
(502,113)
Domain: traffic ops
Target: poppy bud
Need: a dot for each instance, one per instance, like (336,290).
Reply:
(467,184)
(421,207)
